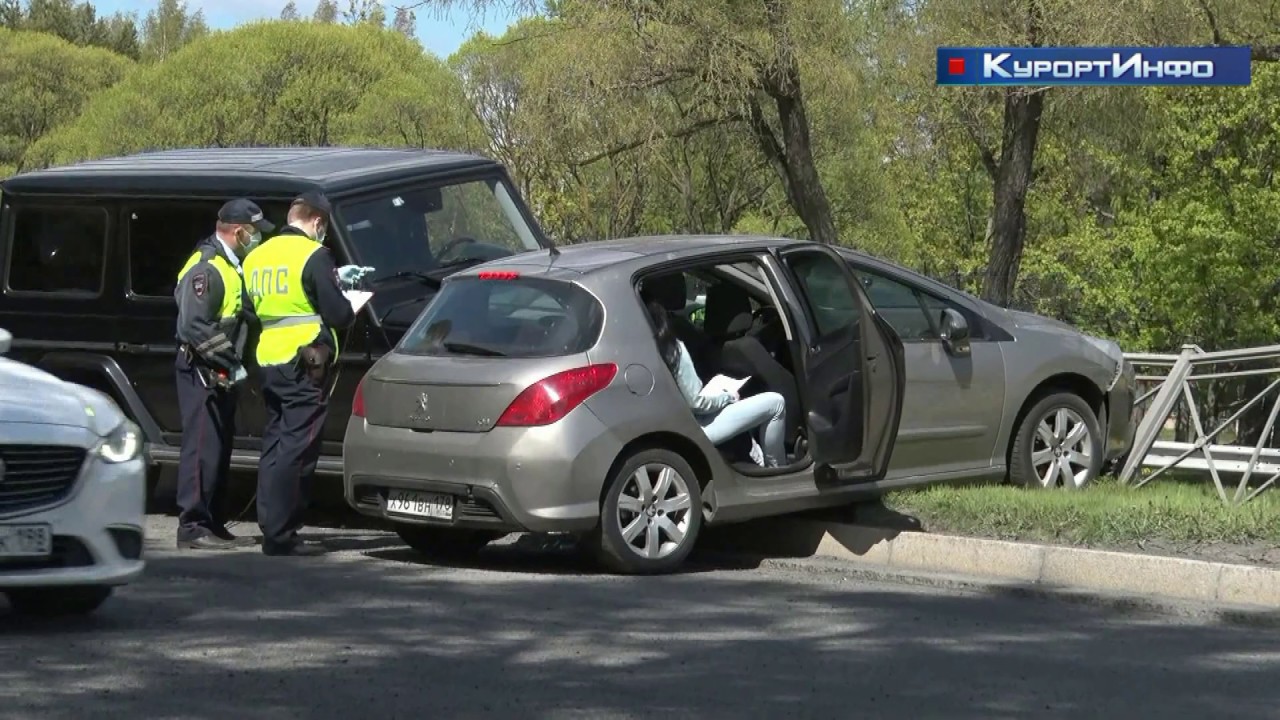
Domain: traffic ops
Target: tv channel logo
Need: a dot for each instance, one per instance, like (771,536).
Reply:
(1011,66)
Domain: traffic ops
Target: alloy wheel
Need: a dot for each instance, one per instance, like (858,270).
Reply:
(1062,451)
(654,509)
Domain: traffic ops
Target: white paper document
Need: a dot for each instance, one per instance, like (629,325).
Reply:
(724,384)
(357,298)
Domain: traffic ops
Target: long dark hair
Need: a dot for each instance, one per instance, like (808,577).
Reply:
(665,335)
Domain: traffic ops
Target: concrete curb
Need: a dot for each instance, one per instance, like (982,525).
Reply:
(1226,585)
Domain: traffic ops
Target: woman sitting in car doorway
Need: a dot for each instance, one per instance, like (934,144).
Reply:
(723,415)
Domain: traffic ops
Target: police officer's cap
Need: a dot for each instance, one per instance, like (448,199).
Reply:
(245,212)
(316,201)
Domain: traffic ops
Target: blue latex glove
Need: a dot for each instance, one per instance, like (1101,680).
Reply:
(350,275)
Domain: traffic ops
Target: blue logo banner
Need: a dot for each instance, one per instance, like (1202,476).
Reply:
(1042,66)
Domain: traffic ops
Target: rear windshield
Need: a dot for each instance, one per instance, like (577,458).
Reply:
(524,317)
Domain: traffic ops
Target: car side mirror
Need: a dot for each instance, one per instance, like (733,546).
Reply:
(954,331)
(5,341)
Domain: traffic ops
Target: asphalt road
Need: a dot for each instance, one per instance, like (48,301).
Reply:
(370,631)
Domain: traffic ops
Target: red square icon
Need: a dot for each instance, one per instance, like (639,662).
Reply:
(955,66)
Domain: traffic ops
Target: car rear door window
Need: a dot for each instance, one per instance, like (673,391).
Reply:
(161,239)
(59,250)
(510,317)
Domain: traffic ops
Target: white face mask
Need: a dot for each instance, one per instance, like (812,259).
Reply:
(320,232)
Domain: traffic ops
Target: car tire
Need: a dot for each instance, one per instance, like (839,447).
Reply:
(440,542)
(625,503)
(58,601)
(1039,445)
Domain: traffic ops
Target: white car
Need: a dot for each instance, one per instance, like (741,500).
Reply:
(72,493)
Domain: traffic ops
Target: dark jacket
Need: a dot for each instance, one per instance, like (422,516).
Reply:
(218,342)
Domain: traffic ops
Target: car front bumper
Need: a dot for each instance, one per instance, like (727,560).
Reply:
(97,531)
(1121,413)
(541,479)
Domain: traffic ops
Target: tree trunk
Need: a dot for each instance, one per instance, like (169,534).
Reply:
(791,157)
(1022,113)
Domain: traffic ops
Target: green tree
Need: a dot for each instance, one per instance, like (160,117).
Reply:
(46,82)
(170,27)
(405,22)
(271,83)
(1006,124)
(75,22)
(326,11)
(290,12)
(735,63)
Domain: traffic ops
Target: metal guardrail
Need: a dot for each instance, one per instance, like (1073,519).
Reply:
(1195,374)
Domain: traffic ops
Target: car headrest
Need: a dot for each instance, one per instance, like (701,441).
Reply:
(726,304)
(667,290)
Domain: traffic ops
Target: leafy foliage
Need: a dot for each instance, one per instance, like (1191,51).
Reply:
(272,83)
(46,81)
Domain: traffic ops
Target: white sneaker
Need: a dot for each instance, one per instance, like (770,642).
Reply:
(757,453)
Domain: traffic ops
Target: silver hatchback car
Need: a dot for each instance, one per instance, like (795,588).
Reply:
(531,395)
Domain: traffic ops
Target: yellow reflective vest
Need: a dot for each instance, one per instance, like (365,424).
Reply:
(273,272)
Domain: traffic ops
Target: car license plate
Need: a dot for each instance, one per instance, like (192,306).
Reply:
(25,541)
(431,505)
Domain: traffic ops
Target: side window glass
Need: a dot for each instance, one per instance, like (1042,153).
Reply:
(912,313)
(58,250)
(826,290)
(161,238)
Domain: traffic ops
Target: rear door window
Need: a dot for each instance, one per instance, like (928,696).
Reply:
(519,317)
(61,250)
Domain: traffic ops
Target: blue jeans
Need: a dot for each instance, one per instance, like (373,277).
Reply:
(767,409)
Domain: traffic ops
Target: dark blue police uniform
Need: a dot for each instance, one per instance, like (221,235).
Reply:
(215,319)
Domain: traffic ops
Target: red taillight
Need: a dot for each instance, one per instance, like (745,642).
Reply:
(551,398)
(357,402)
(499,275)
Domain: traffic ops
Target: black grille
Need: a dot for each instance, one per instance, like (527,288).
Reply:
(37,475)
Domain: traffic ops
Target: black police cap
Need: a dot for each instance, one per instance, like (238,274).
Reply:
(315,200)
(245,212)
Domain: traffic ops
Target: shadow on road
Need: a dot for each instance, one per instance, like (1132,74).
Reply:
(383,634)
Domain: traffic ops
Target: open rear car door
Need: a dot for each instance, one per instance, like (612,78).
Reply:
(853,373)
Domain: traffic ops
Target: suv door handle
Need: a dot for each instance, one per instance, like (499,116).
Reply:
(132,348)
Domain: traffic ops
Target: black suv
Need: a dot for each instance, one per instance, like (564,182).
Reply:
(90,254)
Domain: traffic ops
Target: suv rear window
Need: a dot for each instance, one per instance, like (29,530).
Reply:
(519,317)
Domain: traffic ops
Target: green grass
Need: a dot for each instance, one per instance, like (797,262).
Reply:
(1105,513)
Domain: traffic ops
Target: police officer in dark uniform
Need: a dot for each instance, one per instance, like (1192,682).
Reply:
(294,286)
(215,317)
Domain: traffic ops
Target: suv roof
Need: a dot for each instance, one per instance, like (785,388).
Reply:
(255,171)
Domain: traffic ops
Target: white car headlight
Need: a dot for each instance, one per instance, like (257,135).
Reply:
(122,444)
(1113,351)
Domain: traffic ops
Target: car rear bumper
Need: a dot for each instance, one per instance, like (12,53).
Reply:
(545,479)
(98,533)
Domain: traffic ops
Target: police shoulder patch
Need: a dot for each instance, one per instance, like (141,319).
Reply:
(200,283)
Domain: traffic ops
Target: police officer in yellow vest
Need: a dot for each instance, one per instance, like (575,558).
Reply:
(295,291)
(215,319)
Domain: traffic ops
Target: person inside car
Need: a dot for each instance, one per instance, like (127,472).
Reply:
(722,416)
